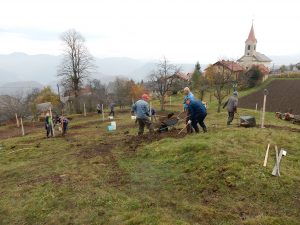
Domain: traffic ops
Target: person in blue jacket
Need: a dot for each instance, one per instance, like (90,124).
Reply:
(197,114)
(142,111)
(187,94)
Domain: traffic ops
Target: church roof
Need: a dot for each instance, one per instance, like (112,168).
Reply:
(258,57)
(261,57)
(251,36)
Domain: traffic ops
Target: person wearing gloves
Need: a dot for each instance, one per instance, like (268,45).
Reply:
(142,111)
(197,114)
(231,104)
(187,94)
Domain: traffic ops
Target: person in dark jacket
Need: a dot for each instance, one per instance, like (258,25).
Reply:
(112,109)
(231,104)
(197,114)
(142,111)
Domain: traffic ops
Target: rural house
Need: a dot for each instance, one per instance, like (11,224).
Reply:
(230,67)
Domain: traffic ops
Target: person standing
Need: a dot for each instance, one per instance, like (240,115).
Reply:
(112,109)
(197,114)
(99,109)
(231,104)
(187,94)
(142,111)
(48,125)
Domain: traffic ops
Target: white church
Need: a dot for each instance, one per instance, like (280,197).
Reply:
(251,56)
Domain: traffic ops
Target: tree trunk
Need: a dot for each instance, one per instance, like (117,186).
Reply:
(219,106)
(162,103)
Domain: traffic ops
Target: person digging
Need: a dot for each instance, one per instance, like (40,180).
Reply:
(187,94)
(197,114)
(142,111)
(231,104)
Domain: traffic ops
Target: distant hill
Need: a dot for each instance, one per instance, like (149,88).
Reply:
(43,68)
(20,88)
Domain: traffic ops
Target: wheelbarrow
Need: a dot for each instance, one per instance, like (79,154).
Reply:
(169,122)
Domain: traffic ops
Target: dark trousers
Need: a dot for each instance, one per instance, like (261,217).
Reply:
(199,119)
(230,117)
(112,112)
(189,128)
(143,123)
(49,130)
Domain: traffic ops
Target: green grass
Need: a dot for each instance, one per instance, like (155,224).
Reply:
(88,178)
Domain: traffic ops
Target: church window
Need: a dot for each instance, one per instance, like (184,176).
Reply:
(248,47)
(254,47)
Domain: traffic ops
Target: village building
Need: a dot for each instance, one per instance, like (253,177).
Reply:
(251,56)
(227,67)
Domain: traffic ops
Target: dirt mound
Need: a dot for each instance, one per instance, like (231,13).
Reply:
(283,96)
(135,141)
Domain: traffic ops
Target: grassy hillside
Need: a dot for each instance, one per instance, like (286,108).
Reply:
(92,176)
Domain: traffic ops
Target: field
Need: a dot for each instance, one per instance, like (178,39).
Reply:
(93,176)
(283,96)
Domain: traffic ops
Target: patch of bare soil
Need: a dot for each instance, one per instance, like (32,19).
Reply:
(93,151)
(134,142)
(283,96)
(291,129)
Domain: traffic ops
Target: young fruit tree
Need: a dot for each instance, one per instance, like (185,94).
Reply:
(219,79)
(162,79)
(77,63)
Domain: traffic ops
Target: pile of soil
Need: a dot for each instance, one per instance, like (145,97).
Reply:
(283,96)
(135,141)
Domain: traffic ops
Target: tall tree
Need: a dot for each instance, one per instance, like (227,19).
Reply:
(196,77)
(162,79)
(77,63)
(220,79)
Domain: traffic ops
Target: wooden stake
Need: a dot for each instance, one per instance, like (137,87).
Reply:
(102,113)
(266,156)
(263,112)
(275,171)
(17,120)
(22,127)
(150,112)
(51,118)
(84,111)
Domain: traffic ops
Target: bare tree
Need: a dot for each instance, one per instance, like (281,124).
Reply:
(77,63)
(220,79)
(162,79)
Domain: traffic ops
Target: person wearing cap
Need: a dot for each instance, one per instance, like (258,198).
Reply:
(187,94)
(142,111)
(231,104)
(197,114)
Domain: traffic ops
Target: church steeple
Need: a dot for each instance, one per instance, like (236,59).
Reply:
(250,43)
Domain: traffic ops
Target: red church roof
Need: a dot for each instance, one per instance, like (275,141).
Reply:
(251,36)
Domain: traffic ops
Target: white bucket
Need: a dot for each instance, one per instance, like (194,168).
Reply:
(113,124)
(111,117)
(133,117)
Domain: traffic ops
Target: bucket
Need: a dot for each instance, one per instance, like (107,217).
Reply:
(109,128)
(113,124)
(133,117)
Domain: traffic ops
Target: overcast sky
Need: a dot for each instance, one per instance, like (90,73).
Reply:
(181,30)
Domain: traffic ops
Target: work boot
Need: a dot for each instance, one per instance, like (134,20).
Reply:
(204,129)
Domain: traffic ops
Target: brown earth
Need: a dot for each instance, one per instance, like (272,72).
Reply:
(284,96)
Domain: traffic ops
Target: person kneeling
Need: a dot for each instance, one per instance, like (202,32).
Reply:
(197,114)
